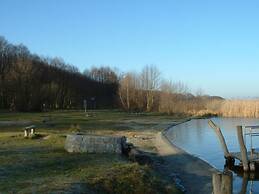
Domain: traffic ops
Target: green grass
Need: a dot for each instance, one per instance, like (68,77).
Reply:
(42,165)
(104,120)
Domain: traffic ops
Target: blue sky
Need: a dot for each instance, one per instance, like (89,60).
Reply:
(213,45)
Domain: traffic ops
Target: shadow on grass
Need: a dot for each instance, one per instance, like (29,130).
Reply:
(26,168)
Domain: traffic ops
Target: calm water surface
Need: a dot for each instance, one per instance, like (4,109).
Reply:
(197,138)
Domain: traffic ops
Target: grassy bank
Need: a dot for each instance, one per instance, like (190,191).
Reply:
(42,166)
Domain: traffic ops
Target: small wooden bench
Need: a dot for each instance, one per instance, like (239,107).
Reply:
(29,131)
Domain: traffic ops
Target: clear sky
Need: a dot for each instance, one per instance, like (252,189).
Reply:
(213,45)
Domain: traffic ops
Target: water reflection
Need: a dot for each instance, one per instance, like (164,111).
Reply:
(223,183)
(249,179)
(197,138)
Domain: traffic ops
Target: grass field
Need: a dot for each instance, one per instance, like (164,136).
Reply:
(42,166)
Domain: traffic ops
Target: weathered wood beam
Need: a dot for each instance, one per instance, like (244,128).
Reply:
(243,149)
(222,183)
(221,138)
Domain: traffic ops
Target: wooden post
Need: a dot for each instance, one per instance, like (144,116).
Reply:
(221,138)
(222,183)
(25,133)
(32,131)
(243,149)
(216,182)
(227,183)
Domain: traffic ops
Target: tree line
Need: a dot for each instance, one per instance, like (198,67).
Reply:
(29,82)
(148,91)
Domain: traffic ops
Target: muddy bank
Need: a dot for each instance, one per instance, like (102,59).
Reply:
(195,174)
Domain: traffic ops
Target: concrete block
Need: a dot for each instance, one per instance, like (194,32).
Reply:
(80,143)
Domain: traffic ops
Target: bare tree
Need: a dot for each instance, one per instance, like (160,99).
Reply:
(102,74)
(150,83)
(5,66)
(129,91)
(180,87)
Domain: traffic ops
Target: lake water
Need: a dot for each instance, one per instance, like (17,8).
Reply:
(197,138)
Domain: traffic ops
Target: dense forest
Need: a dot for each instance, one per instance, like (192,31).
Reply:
(29,82)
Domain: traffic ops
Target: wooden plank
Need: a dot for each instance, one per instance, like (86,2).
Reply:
(30,127)
(252,127)
(237,155)
(221,138)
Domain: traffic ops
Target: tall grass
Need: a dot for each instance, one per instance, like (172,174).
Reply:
(198,106)
(224,108)
(239,108)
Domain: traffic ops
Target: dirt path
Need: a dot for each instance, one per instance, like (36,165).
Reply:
(194,172)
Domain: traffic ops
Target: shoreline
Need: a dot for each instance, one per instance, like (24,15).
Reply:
(177,147)
(194,173)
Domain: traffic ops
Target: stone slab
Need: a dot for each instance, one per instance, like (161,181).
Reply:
(79,143)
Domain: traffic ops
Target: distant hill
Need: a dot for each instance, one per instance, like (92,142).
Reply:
(213,97)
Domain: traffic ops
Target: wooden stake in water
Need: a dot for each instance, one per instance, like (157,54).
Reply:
(221,138)
(222,183)
(243,149)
